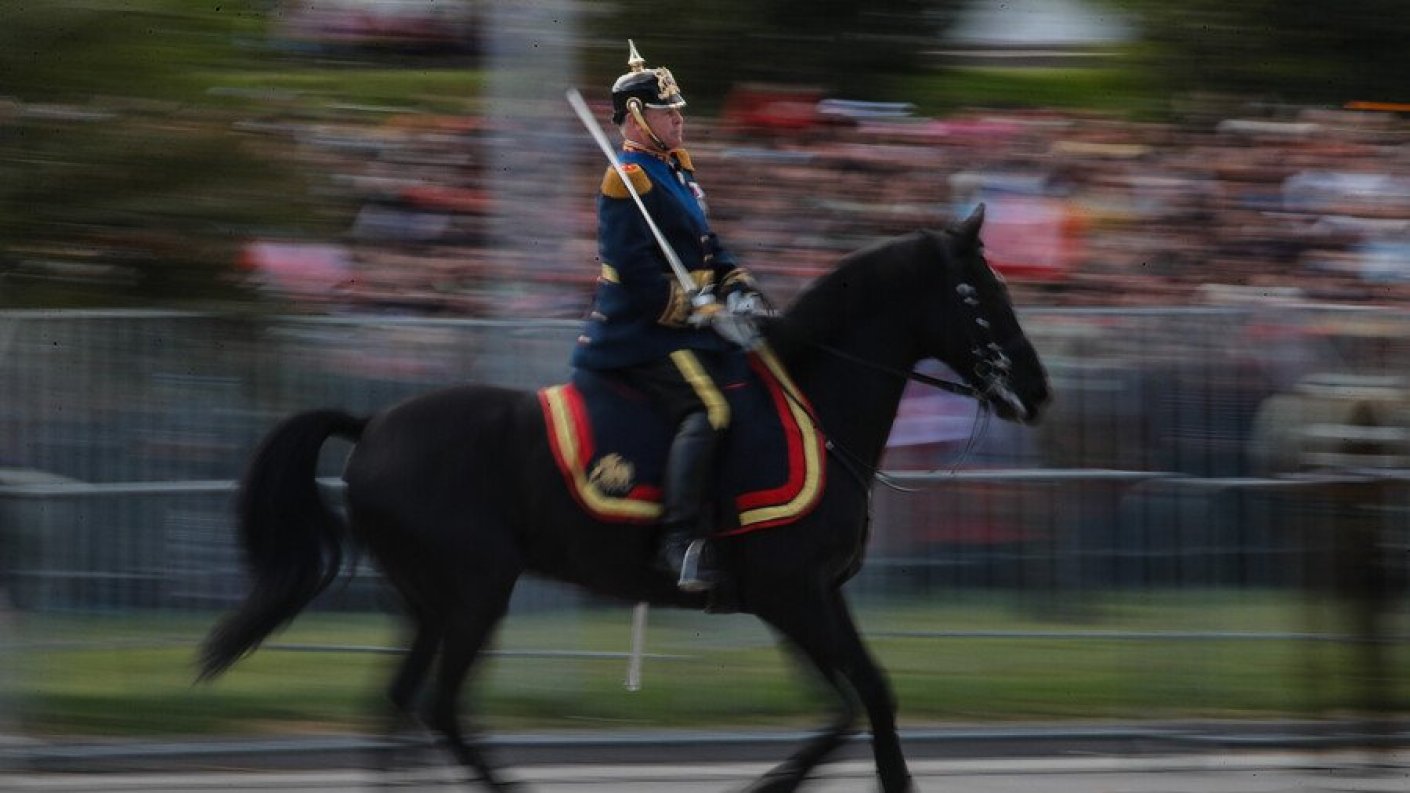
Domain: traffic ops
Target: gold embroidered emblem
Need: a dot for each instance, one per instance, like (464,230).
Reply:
(666,86)
(612,474)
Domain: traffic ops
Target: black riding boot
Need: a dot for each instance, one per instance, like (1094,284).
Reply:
(690,471)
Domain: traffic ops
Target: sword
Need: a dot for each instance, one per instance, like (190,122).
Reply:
(585,115)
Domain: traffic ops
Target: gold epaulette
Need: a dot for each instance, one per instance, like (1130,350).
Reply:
(614,187)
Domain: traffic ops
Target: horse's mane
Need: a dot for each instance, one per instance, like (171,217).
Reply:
(883,276)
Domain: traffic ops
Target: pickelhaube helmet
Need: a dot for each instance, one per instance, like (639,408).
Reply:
(643,87)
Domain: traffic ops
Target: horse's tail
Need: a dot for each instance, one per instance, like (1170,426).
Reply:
(292,541)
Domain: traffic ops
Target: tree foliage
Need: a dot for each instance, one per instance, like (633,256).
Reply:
(121,179)
(72,50)
(850,47)
(1291,50)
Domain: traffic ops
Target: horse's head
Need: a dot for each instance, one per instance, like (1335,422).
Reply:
(929,294)
(976,331)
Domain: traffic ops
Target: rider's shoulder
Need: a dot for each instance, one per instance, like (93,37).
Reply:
(614,187)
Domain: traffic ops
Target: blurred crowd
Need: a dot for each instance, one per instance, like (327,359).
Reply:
(1083,209)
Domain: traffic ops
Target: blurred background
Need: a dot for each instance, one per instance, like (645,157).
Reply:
(214,214)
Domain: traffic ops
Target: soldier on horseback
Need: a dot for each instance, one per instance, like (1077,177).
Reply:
(645,326)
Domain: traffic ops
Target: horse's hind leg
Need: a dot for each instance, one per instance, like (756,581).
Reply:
(406,683)
(467,632)
(412,670)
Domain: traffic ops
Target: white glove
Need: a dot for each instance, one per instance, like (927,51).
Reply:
(748,304)
(737,328)
(734,321)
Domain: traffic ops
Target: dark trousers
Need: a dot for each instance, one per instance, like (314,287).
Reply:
(685,388)
(685,383)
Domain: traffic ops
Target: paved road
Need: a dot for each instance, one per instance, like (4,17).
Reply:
(1212,773)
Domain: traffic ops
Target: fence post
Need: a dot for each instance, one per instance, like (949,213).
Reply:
(1346,437)
(9,649)
(1365,585)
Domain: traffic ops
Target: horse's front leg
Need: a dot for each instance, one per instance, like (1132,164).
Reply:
(812,632)
(872,688)
(789,774)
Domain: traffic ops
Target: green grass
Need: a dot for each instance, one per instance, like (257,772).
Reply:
(1114,89)
(443,90)
(133,675)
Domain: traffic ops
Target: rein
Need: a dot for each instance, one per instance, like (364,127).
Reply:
(962,389)
(851,461)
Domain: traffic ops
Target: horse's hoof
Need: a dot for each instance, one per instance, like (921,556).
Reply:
(775,783)
(899,785)
(500,784)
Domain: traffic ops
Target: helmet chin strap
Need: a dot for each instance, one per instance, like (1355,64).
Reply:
(634,107)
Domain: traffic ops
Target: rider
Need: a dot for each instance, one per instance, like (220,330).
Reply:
(644,326)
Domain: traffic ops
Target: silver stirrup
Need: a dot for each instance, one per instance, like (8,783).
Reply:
(690,580)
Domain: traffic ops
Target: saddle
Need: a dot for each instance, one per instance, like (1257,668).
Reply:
(610,445)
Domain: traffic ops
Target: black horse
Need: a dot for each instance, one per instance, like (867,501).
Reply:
(455,495)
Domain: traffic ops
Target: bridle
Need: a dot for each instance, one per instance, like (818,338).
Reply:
(992,366)
(991,369)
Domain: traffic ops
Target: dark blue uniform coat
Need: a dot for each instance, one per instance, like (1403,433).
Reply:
(640,310)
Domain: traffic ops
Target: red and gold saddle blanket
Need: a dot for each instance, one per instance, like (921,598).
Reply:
(611,448)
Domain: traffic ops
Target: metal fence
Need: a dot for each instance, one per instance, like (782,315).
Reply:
(120,433)
(154,396)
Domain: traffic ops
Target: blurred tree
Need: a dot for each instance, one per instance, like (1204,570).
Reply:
(850,47)
(67,50)
(122,179)
(1290,50)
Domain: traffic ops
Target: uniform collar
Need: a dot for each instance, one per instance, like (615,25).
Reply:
(673,157)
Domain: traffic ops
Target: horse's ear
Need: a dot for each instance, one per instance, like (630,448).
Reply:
(968,229)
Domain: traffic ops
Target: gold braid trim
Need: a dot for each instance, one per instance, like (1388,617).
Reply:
(677,308)
(738,275)
(716,406)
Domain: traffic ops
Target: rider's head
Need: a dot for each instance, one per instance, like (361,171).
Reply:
(646,104)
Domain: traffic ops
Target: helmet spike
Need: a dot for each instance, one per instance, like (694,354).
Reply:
(634,60)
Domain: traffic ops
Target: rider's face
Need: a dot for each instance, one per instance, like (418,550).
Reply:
(668,124)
